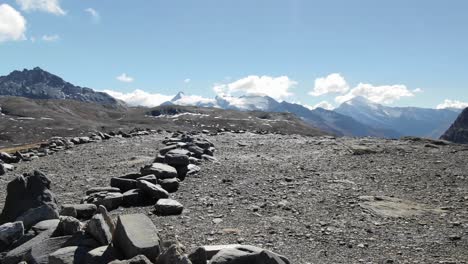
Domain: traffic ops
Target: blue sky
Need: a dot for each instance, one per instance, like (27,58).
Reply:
(403,52)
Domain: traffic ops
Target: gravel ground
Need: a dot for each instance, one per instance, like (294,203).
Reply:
(298,196)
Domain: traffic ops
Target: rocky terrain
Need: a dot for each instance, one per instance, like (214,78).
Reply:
(458,131)
(31,121)
(311,199)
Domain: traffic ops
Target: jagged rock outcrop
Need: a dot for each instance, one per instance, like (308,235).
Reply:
(458,131)
(40,84)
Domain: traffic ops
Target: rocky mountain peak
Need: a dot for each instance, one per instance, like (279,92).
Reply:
(40,84)
(178,96)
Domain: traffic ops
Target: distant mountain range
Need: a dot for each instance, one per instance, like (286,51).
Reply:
(407,121)
(357,117)
(40,84)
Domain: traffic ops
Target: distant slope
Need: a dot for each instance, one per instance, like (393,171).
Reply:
(407,121)
(215,118)
(40,84)
(458,131)
(25,120)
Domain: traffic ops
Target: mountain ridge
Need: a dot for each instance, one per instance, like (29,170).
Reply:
(40,84)
(408,121)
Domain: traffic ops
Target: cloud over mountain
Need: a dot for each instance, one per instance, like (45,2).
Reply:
(275,87)
(333,83)
(384,94)
(452,104)
(140,97)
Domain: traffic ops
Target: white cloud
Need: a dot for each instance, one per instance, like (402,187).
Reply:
(49,6)
(452,104)
(94,14)
(187,80)
(124,78)
(324,104)
(12,24)
(333,83)
(140,98)
(194,100)
(418,90)
(385,94)
(50,38)
(275,87)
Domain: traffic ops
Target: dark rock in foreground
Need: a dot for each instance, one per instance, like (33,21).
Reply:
(24,193)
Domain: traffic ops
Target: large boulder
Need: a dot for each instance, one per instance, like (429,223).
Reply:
(155,191)
(160,170)
(26,192)
(135,234)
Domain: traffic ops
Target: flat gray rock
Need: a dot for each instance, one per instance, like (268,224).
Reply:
(40,251)
(168,207)
(177,157)
(160,170)
(102,189)
(155,191)
(104,254)
(69,255)
(83,211)
(135,235)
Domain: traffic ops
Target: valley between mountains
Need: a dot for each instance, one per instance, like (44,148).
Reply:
(312,199)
